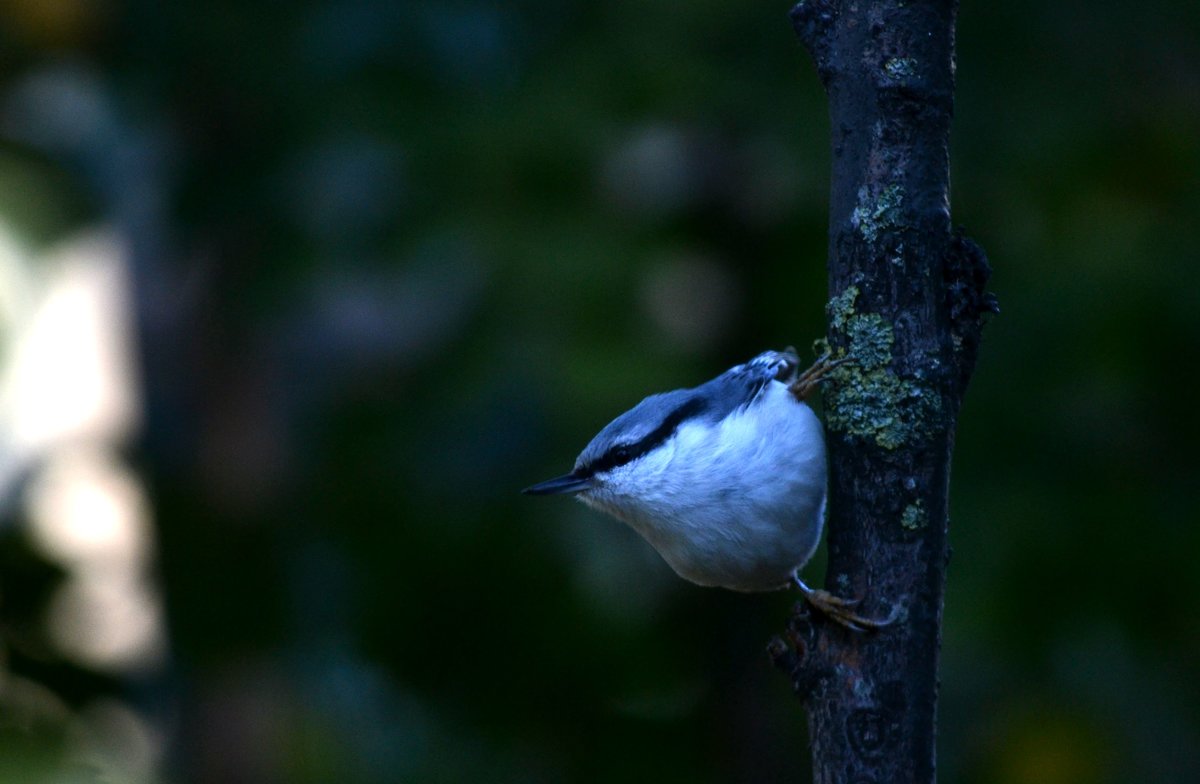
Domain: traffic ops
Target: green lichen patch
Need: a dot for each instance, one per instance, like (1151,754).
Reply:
(900,67)
(841,308)
(870,340)
(914,517)
(865,398)
(877,405)
(875,213)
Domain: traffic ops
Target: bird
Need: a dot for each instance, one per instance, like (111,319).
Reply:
(726,480)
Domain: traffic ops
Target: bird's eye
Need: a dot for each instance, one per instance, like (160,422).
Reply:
(622,455)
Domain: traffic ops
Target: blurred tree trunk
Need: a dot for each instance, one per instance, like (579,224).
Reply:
(907,299)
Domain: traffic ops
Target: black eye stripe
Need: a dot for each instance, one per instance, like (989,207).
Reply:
(626,453)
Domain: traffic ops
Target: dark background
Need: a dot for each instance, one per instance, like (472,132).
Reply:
(381,265)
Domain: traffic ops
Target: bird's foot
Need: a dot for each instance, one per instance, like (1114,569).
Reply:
(841,610)
(807,381)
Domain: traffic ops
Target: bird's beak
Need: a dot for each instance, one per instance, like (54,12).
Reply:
(561,484)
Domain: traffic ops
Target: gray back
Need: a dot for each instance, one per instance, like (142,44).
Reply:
(655,419)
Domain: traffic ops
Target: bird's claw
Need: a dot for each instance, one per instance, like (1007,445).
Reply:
(807,381)
(841,610)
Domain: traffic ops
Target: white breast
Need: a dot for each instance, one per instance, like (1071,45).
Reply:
(738,504)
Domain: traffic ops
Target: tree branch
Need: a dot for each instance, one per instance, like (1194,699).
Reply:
(907,303)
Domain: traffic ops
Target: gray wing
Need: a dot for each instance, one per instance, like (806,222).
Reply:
(741,384)
(655,419)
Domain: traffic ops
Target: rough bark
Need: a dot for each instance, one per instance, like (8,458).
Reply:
(907,300)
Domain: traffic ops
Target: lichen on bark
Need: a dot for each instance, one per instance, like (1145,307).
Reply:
(866,398)
(877,212)
(914,517)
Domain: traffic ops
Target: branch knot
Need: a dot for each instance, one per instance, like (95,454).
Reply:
(968,302)
(813,22)
(795,654)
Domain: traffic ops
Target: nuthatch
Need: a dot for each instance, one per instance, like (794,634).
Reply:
(725,480)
